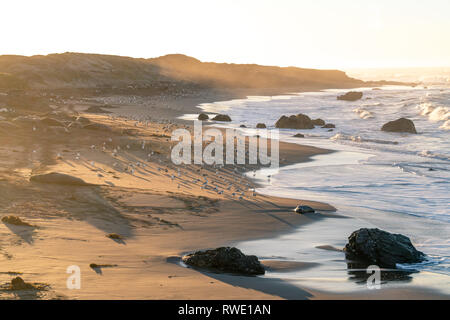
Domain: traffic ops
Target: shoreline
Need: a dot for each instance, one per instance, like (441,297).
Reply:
(158,216)
(156,219)
(424,291)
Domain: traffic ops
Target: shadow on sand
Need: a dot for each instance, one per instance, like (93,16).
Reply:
(272,286)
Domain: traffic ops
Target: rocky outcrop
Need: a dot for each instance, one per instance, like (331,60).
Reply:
(351,96)
(58,178)
(261,126)
(222,117)
(225,259)
(298,135)
(400,125)
(381,248)
(203,116)
(318,122)
(299,121)
(328,126)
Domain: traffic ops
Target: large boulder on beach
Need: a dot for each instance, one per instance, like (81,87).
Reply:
(400,125)
(225,259)
(381,248)
(299,121)
(58,178)
(222,117)
(351,96)
(203,116)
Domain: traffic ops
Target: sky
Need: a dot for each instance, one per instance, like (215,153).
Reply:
(326,34)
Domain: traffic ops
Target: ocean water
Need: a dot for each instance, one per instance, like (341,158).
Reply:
(394,181)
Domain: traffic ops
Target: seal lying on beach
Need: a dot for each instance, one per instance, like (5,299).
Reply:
(304,209)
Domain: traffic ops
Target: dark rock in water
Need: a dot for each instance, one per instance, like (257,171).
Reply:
(381,248)
(318,122)
(399,125)
(329,125)
(242,126)
(329,130)
(261,126)
(299,121)
(225,259)
(298,135)
(58,178)
(304,209)
(351,96)
(222,117)
(203,116)
(97,126)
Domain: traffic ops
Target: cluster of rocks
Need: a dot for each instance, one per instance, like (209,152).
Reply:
(301,121)
(365,247)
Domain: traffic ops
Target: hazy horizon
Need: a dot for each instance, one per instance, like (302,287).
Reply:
(323,34)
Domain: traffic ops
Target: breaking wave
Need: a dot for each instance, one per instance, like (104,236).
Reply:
(434,113)
(363,114)
(359,139)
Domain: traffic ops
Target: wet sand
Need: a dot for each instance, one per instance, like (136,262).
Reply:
(158,210)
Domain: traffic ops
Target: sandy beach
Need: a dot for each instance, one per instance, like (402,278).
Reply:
(158,211)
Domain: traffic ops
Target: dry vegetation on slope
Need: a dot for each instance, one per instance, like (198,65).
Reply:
(76,70)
